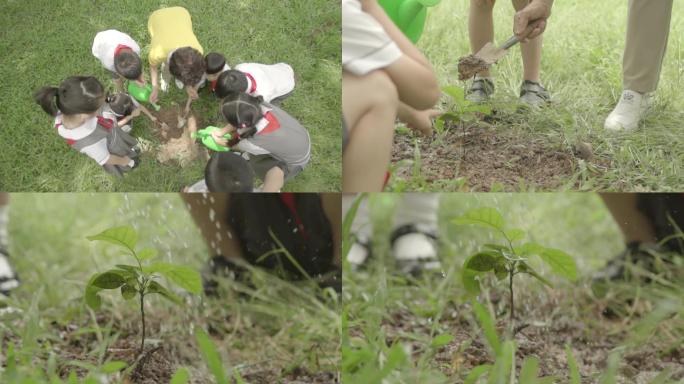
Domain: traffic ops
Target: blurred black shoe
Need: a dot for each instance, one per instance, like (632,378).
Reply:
(632,262)
(220,266)
(8,278)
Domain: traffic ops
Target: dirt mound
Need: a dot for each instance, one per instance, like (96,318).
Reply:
(469,66)
(487,157)
(176,144)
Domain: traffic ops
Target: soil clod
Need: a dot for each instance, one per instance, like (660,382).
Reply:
(469,66)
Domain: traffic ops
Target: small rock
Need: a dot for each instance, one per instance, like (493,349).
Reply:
(584,150)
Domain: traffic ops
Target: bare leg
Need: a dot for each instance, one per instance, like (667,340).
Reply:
(635,226)
(531,51)
(332,206)
(273,180)
(369,105)
(481,26)
(209,213)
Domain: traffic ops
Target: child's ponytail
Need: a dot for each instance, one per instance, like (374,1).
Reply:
(76,94)
(46,97)
(243,112)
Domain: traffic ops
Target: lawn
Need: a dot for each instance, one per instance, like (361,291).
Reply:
(270,332)
(43,43)
(401,330)
(532,151)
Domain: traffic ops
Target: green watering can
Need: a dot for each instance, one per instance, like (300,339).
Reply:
(208,140)
(408,15)
(141,93)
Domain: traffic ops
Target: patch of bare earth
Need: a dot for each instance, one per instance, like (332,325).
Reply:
(486,156)
(176,144)
(546,325)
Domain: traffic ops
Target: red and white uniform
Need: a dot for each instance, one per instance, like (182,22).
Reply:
(108,43)
(268,81)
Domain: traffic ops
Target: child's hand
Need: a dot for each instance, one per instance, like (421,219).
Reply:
(219,139)
(136,112)
(421,121)
(154,95)
(192,93)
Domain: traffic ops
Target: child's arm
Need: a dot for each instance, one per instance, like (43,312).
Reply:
(127,119)
(274,180)
(147,113)
(412,74)
(187,106)
(192,125)
(118,160)
(154,77)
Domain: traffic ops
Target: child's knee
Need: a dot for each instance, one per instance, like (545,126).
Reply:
(382,91)
(483,4)
(520,4)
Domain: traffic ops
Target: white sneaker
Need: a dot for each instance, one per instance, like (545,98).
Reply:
(628,112)
(415,253)
(163,84)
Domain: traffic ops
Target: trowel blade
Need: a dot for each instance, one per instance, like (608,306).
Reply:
(490,53)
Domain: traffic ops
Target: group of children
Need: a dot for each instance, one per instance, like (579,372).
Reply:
(266,141)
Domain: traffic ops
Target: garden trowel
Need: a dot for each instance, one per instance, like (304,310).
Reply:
(490,53)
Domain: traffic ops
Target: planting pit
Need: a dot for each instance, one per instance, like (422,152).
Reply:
(485,156)
(176,144)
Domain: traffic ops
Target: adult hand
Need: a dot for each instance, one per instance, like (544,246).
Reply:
(530,21)
(154,95)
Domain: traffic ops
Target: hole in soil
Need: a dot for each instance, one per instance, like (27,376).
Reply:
(176,144)
(485,156)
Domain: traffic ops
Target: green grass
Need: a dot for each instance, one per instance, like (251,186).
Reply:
(582,68)
(43,43)
(432,320)
(274,330)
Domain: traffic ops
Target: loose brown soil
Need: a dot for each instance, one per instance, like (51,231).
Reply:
(469,66)
(485,157)
(546,329)
(176,144)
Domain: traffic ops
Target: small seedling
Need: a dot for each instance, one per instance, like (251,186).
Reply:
(507,260)
(138,280)
(462,110)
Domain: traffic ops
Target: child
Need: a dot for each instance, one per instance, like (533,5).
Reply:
(120,55)
(278,146)
(481,30)
(76,105)
(175,47)
(272,82)
(122,108)
(8,277)
(216,65)
(384,77)
(225,172)
(241,227)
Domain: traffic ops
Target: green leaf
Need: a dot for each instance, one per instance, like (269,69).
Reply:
(347,240)
(525,268)
(181,376)
(560,262)
(503,371)
(109,280)
(482,261)
(470,283)
(185,277)
(471,107)
(441,340)
(456,93)
(483,217)
(155,287)
(128,292)
(113,366)
(528,249)
(529,370)
(476,372)
(124,236)
(501,269)
(129,268)
(575,377)
(487,324)
(211,356)
(515,234)
(146,254)
(92,299)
